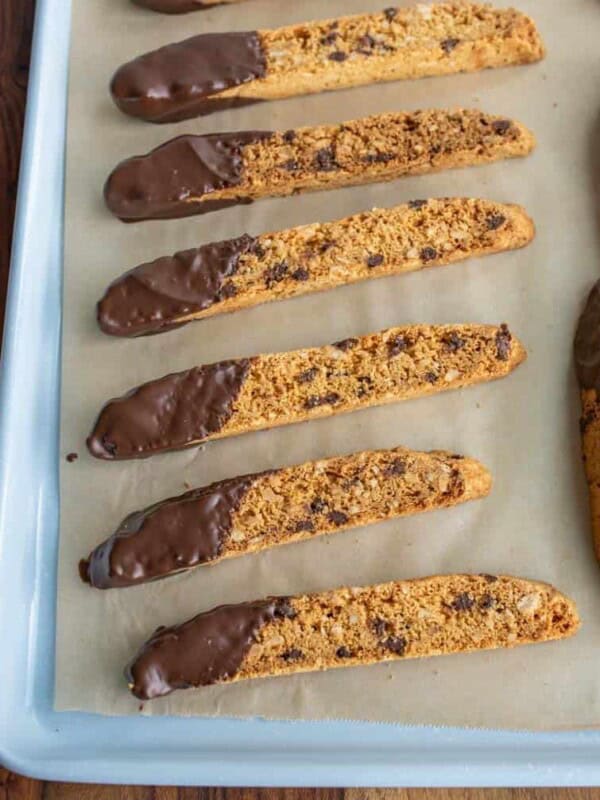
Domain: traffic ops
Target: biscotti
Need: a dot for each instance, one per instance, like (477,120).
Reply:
(587,364)
(180,6)
(264,391)
(194,174)
(239,273)
(350,627)
(222,70)
(254,512)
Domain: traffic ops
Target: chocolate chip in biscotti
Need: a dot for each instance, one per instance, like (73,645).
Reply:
(196,174)
(397,345)
(396,645)
(308,375)
(501,126)
(345,344)
(292,655)
(301,274)
(244,395)
(462,602)
(329,399)
(448,45)
(503,343)
(374,260)
(276,273)
(324,160)
(250,640)
(428,254)
(489,578)
(453,342)
(495,221)
(397,467)
(337,517)
(303,525)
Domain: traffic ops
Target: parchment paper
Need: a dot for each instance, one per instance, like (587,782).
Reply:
(524,428)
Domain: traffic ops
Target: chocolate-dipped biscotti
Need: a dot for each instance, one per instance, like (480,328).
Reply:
(194,174)
(254,512)
(587,365)
(222,70)
(250,394)
(239,273)
(180,6)
(350,627)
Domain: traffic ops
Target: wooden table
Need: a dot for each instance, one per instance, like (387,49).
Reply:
(16,19)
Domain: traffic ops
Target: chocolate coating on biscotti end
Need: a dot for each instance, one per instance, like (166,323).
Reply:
(176,534)
(174,6)
(157,185)
(181,80)
(587,342)
(144,300)
(207,649)
(176,411)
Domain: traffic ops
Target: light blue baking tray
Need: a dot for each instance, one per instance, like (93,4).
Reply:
(38,741)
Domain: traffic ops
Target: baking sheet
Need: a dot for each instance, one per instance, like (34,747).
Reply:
(523,428)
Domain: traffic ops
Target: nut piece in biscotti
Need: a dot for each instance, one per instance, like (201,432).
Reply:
(195,174)
(254,512)
(350,627)
(587,365)
(249,394)
(180,6)
(239,273)
(213,71)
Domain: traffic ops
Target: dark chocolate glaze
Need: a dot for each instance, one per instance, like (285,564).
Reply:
(169,413)
(207,649)
(174,6)
(176,534)
(158,185)
(587,342)
(184,80)
(151,297)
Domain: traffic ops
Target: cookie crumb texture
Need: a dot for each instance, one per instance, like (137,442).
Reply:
(194,174)
(254,512)
(265,391)
(351,626)
(221,277)
(181,80)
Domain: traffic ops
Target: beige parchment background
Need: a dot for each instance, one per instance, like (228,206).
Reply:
(524,427)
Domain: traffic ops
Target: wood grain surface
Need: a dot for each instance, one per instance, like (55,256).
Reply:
(13,787)
(16,19)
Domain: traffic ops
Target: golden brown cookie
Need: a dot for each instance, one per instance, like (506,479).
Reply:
(195,174)
(350,627)
(250,394)
(587,363)
(213,71)
(254,512)
(239,273)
